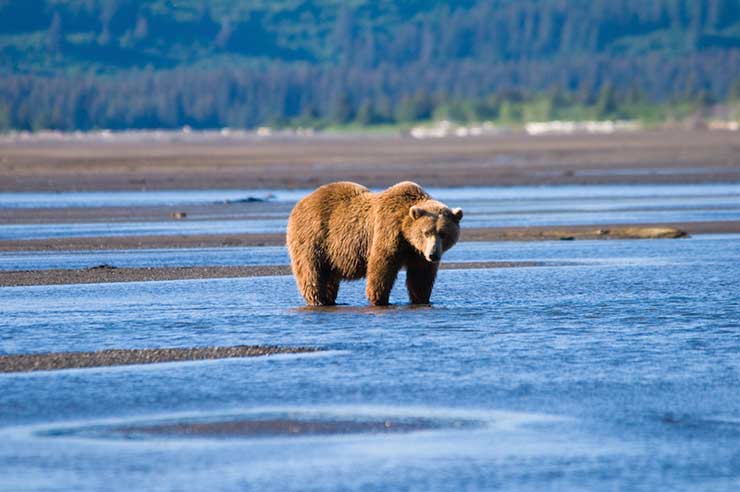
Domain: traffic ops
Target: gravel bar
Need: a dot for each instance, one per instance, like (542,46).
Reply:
(110,274)
(125,357)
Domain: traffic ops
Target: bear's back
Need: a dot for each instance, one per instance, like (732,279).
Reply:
(325,200)
(332,222)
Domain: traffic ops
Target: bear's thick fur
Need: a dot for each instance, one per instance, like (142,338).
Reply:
(342,231)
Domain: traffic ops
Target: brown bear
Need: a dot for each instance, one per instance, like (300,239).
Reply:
(342,231)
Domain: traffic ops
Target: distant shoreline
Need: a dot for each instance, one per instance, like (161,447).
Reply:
(648,157)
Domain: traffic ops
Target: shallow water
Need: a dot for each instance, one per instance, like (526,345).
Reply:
(114,229)
(583,251)
(620,371)
(484,207)
(471,193)
(476,218)
(142,258)
(140,198)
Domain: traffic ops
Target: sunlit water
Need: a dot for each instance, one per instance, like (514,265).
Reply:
(278,255)
(555,252)
(512,194)
(140,258)
(484,207)
(616,368)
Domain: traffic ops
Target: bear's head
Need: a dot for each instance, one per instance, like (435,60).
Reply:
(434,228)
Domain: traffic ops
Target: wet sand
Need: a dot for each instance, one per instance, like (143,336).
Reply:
(124,357)
(534,233)
(107,274)
(143,242)
(285,427)
(668,156)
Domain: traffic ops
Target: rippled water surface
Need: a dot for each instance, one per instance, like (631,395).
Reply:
(615,368)
(551,251)
(484,207)
(638,193)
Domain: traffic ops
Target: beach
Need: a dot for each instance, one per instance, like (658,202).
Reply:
(183,161)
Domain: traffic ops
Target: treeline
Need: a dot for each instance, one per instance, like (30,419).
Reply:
(305,95)
(114,34)
(84,64)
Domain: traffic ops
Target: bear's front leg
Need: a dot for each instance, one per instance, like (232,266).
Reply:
(420,276)
(382,270)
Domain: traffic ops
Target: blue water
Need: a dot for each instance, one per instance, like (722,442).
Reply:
(278,255)
(139,198)
(484,207)
(142,258)
(550,251)
(120,229)
(620,371)
(471,194)
(255,226)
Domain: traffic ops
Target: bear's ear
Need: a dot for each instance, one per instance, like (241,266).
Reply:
(416,212)
(457,213)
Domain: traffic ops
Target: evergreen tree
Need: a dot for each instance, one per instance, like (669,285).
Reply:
(735,91)
(341,111)
(224,34)
(606,104)
(365,113)
(5,123)
(54,36)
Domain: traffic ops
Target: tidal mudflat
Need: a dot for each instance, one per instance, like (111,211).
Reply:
(666,157)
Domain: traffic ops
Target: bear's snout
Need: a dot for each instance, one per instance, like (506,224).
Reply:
(433,249)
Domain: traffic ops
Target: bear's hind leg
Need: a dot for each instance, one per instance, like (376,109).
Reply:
(324,291)
(331,290)
(318,285)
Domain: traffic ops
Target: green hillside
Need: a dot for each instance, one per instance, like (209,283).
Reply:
(163,63)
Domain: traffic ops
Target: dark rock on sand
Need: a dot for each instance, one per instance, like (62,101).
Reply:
(103,266)
(249,199)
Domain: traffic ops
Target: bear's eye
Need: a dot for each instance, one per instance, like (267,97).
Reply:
(429,233)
